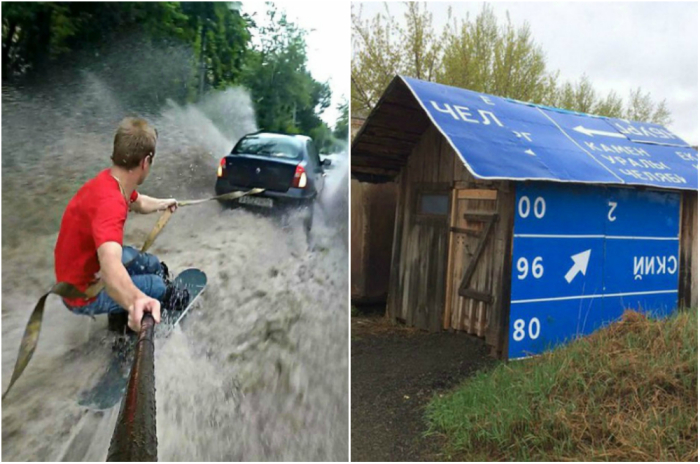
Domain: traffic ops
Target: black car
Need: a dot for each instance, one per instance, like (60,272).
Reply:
(288,167)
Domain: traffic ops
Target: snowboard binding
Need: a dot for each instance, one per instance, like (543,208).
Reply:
(164,273)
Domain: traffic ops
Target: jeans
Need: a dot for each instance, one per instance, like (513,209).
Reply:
(142,268)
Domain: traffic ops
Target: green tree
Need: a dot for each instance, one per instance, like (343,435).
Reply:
(288,99)
(578,96)
(149,36)
(611,106)
(478,54)
(149,52)
(220,38)
(500,60)
(341,125)
(275,73)
(420,43)
(377,57)
(641,107)
(35,35)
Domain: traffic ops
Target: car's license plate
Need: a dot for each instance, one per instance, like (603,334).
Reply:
(256,201)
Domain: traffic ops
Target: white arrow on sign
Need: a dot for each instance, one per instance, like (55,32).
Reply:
(592,132)
(530,152)
(580,265)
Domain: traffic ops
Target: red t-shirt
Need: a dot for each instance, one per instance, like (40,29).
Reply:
(95,215)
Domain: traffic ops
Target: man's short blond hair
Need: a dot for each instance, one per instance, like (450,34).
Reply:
(135,140)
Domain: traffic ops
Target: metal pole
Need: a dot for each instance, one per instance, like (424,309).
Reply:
(134,437)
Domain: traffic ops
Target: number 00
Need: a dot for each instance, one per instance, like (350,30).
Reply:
(539,209)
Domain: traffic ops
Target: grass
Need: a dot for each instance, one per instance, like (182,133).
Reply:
(628,392)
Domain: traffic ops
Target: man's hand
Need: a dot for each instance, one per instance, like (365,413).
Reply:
(121,288)
(170,204)
(144,304)
(147,205)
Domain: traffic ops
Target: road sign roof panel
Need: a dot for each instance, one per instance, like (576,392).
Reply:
(499,138)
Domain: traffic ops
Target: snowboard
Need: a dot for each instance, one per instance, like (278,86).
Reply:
(110,387)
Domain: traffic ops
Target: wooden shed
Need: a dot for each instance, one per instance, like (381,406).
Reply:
(527,225)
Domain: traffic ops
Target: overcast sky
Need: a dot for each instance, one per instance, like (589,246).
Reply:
(620,46)
(328,43)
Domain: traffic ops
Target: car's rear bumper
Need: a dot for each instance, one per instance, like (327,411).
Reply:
(292,197)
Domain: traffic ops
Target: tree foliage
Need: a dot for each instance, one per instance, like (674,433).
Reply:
(642,108)
(342,124)
(500,60)
(184,48)
(152,51)
(287,97)
(480,54)
(377,57)
(35,35)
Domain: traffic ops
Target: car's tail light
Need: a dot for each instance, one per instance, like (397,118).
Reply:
(220,169)
(299,180)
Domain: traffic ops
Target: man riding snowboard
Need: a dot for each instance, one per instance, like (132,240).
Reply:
(89,245)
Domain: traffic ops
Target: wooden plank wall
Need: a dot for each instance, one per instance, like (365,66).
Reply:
(395,298)
(418,282)
(358,232)
(688,285)
(419,260)
(372,227)
(380,235)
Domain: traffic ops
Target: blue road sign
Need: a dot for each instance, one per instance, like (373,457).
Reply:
(499,138)
(584,254)
(632,162)
(646,132)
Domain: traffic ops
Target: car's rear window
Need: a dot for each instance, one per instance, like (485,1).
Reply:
(273,147)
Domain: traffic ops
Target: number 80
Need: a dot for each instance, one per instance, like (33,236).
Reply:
(533,329)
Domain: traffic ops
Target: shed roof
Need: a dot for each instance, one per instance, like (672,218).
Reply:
(501,138)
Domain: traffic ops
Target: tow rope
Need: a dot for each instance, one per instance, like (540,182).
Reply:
(66,290)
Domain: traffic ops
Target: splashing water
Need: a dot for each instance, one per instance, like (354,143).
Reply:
(259,370)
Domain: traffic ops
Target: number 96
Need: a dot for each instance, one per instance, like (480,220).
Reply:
(523,268)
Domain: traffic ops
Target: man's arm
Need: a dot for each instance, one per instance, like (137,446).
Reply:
(146,205)
(120,287)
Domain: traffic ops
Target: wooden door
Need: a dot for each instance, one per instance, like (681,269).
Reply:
(473,267)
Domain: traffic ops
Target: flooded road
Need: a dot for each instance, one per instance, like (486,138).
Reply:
(258,371)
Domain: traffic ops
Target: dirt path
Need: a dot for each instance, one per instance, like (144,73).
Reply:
(395,372)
